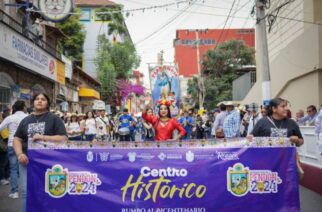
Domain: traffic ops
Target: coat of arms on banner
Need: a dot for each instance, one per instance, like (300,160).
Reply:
(56,181)
(60,181)
(238,180)
(241,180)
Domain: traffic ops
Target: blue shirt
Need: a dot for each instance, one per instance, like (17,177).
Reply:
(125,121)
(186,123)
(231,124)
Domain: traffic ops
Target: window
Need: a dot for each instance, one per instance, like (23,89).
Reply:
(86,15)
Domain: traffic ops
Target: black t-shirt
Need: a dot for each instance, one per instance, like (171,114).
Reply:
(282,128)
(45,124)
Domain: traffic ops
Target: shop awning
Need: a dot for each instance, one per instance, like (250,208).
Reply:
(88,93)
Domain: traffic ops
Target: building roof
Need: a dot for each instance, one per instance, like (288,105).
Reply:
(94,3)
(85,75)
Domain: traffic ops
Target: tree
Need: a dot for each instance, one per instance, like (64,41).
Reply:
(114,61)
(219,67)
(72,46)
(115,17)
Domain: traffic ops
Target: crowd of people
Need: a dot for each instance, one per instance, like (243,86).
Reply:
(227,121)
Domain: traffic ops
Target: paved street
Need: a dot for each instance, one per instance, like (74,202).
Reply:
(310,201)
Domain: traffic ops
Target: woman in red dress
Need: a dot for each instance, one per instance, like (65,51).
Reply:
(164,125)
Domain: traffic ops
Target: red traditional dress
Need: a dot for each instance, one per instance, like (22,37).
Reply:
(163,133)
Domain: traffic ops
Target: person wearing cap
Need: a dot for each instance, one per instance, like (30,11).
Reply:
(255,117)
(232,121)
(217,129)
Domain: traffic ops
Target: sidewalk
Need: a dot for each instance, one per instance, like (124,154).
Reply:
(310,201)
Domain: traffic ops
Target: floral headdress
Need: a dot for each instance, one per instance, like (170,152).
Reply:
(163,102)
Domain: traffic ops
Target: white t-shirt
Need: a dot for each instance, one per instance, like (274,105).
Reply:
(90,124)
(12,122)
(102,122)
(74,127)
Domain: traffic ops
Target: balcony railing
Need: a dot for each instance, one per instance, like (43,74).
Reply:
(19,28)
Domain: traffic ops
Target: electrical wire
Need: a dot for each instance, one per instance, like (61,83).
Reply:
(232,6)
(164,25)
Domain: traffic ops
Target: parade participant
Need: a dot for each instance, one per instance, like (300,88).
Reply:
(73,128)
(90,126)
(164,125)
(218,125)
(231,122)
(19,112)
(263,111)
(187,123)
(39,126)
(276,124)
(102,123)
(318,130)
(309,119)
(148,128)
(255,117)
(125,123)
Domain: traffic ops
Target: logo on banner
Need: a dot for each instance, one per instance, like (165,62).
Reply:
(56,181)
(90,156)
(241,180)
(190,156)
(60,181)
(131,156)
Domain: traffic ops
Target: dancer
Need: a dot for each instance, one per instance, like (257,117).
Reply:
(164,125)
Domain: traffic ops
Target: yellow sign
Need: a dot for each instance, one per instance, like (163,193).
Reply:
(60,72)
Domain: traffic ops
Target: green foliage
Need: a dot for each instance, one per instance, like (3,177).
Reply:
(72,46)
(116,19)
(219,70)
(114,61)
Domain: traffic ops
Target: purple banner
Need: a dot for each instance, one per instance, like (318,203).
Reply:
(192,176)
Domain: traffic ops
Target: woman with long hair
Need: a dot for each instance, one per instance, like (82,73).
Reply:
(73,128)
(163,124)
(41,125)
(90,126)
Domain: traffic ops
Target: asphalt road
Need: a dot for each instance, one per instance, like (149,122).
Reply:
(310,201)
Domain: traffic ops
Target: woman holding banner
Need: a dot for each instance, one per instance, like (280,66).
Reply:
(164,125)
(276,124)
(41,125)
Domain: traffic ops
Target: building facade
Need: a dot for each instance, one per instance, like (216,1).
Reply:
(94,27)
(29,61)
(185,45)
(295,55)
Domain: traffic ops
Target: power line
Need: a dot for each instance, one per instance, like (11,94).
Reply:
(153,7)
(164,25)
(226,20)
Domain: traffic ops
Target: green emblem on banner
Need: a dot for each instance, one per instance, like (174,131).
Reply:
(238,182)
(56,181)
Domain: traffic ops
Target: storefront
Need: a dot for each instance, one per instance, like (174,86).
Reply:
(26,68)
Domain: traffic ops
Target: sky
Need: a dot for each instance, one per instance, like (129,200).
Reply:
(153,30)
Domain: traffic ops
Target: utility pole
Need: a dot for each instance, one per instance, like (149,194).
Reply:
(262,50)
(201,80)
